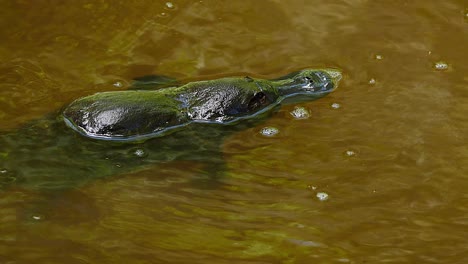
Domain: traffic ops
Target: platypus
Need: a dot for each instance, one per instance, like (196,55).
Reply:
(126,131)
(129,115)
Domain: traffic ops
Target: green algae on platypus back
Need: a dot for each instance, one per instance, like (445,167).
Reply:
(136,114)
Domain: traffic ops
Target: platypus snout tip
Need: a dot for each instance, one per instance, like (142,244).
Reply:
(330,83)
(336,75)
(323,81)
(311,82)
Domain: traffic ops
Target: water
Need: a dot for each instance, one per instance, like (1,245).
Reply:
(399,198)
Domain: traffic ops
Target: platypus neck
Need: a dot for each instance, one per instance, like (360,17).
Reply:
(286,87)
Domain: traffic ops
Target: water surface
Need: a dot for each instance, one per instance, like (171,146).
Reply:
(388,147)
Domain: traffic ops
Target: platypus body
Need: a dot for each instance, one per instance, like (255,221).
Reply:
(129,115)
(124,131)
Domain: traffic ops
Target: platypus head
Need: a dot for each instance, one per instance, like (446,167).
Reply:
(309,82)
(230,99)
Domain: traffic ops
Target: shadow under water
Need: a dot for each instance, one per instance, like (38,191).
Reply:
(48,155)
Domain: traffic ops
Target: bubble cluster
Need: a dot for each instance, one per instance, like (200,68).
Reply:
(441,66)
(372,81)
(335,105)
(300,113)
(322,196)
(139,153)
(167,6)
(269,131)
(378,57)
(170,5)
(350,153)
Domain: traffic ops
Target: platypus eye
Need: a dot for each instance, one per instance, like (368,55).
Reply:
(257,100)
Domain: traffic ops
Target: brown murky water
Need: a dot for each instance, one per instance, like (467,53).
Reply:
(388,147)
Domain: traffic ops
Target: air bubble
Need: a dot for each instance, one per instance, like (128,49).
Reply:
(139,153)
(372,81)
(300,113)
(305,243)
(7,177)
(170,5)
(350,153)
(322,196)
(163,14)
(441,66)
(118,84)
(378,57)
(269,131)
(344,260)
(335,105)
(37,217)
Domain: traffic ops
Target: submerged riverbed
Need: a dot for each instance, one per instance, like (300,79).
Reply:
(375,172)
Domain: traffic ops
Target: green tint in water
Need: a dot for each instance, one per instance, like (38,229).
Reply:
(401,198)
(47,155)
(44,155)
